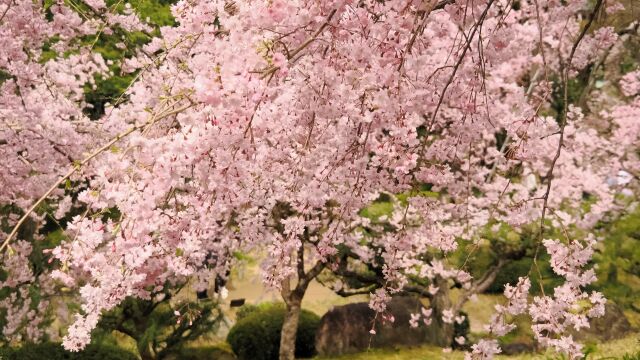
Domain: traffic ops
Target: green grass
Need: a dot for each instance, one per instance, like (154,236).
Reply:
(617,349)
(423,352)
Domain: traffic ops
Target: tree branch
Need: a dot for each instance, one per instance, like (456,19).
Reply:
(273,69)
(565,68)
(78,165)
(459,62)
(481,285)
(310,275)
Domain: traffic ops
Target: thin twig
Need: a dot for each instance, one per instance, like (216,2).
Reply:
(302,46)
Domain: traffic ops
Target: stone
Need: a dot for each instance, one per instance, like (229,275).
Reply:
(345,329)
(517,348)
(612,325)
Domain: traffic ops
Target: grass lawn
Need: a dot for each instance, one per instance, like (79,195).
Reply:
(609,351)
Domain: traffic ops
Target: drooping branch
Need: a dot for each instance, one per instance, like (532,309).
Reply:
(164,113)
(466,47)
(420,28)
(565,69)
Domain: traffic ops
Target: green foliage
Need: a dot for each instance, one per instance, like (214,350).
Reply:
(631,356)
(618,261)
(589,349)
(517,247)
(155,328)
(54,351)
(384,204)
(156,13)
(105,91)
(515,269)
(249,309)
(377,210)
(256,335)
(629,58)
(306,335)
(575,88)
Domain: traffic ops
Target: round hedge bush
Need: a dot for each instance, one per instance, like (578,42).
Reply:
(55,351)
(256,335)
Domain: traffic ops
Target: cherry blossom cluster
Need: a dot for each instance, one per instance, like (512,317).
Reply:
(44,72)
(270,125)
(569,307)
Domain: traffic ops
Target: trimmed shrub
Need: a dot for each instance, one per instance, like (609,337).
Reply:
(55,351)
(256,335)
(248,309)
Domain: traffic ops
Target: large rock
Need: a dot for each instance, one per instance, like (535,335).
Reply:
(517,348)
(613,325)
(345,329)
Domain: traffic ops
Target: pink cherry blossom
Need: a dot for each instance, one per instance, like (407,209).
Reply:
(274,126)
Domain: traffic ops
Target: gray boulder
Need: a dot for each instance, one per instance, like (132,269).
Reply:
(517,348)
(345,329)
(612,325)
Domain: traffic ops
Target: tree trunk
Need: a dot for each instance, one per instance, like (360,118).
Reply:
(289,329)
(441,332)
(293,299)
